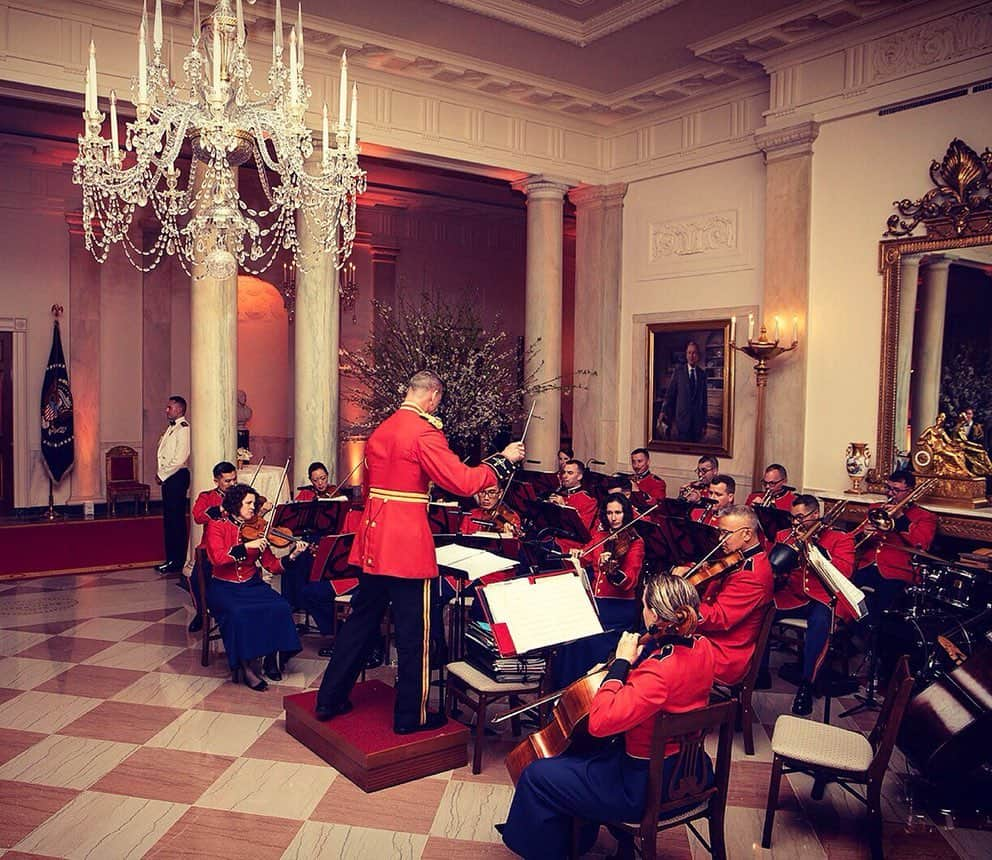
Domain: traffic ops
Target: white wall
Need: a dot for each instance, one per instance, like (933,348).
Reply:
(860,165)
(718,276)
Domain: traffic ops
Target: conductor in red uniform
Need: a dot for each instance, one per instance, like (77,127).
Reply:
(395,550)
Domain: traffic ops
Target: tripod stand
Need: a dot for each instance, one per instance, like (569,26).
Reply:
(868,700)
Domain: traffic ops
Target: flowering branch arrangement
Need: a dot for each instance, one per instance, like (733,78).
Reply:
(482,369)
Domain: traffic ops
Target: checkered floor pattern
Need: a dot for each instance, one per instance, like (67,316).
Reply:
(115,742)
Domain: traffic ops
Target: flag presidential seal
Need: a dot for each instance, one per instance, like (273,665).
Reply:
(57,437)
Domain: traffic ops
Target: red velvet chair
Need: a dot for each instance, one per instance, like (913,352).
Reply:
(122,479)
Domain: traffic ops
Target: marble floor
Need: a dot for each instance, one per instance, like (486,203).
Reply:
(116,743)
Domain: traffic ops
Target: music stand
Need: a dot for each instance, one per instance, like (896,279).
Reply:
(311,517)
(444,519)
(772,520)
(330,560)
(560,521)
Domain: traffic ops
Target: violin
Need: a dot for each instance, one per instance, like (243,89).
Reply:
(568,728)
(258,527)
(614,550)
(703,573)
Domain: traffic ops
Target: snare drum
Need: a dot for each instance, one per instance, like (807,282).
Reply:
(960,588)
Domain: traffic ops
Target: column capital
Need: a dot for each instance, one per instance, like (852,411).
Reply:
(74,221)
(936,264)
(540,187)
(598,195)
(383,253)
(788,141)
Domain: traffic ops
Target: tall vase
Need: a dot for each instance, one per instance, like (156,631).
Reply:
(857,462)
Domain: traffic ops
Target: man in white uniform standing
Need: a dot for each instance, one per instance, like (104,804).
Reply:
(173,475)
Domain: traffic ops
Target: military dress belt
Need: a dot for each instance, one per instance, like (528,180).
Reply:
(398,496)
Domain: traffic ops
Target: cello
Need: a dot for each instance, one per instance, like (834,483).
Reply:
(568,728)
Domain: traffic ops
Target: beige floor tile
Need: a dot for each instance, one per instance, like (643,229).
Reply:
(168,691)
(792,837)
(23,673)
(269,788)
(98,825)
(469,810)
(353,843)
(66,762)
(43,712)
(134,655)
(112,629)
(212,732)
(13,641)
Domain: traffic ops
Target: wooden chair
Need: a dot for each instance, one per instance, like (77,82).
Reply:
(477,691)
(832,754)
(688,799)
(202,571)
(742,691)
(122,479)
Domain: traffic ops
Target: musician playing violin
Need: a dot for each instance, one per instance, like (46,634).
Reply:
(319,487)
(615,558)
(648,488)
(672,673)
(774,492)
(491,515)
(731,606)
(720,499)
(255,622)
(799,593)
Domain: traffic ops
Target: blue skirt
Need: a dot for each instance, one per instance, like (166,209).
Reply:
(573,660)
(254,620)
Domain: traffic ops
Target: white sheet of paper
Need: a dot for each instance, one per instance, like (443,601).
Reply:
(475,562)
(548,611)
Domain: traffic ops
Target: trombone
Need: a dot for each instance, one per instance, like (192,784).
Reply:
(883,519)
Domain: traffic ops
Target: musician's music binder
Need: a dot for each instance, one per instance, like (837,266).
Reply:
(532,612)
(331,562)
(473,561)
(560,521)
(315,516)
(444,519)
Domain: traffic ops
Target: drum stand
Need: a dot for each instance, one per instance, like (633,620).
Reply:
(868,700)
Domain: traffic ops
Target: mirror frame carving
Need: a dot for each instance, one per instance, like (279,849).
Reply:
(955,213)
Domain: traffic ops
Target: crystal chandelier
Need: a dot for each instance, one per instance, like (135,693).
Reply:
(204,220)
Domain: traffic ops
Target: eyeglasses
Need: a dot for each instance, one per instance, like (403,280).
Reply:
(725,533)
(798,518)
(772,483)
(705,470)
(892,488)
(488,492)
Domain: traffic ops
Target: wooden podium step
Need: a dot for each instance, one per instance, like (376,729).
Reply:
(363,746)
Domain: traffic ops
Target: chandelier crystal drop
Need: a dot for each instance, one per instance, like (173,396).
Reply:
(227,123)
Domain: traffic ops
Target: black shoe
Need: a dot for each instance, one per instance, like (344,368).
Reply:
(763,681)
(499,828)
(168,567)
(196,625)
(434,721)
(326,652)
(260,687)
(375,658)
(791,672)
(802,705)
(323,713)
(270,666)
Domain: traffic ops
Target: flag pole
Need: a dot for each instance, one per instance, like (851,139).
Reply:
(50,515)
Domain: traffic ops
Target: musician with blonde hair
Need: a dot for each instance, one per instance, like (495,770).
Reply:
(672,673)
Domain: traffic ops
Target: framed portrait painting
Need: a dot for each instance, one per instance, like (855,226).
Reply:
(690,396)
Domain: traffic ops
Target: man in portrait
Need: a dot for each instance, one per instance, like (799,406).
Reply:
(684,409)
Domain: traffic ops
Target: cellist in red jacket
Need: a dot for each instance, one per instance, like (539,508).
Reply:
(394,549)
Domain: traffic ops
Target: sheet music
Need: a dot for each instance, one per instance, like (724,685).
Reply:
(475,562)
(835,581)
(546,611)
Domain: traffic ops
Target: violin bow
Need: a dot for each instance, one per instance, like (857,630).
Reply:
(613,535)
(261,463)
(268,522)
(695,568)
(523,436)
(348,476)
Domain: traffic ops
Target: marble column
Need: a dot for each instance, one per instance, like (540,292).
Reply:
(214,367)
(83,348)
(928,344)
(598,255)
(542,314)
(909,275)
(317,324)
(788,195)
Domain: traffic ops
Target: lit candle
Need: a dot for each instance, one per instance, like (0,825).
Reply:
(294,78)
(733,331)
(353,130)
(278,32)
(324,137)
(777,326)
(216,59)
(343,92)
(196,22)
(114,140)
(142,65)
(157,41)
(795,329)
(91,105)
(241,25)
(750,327)
(299,38)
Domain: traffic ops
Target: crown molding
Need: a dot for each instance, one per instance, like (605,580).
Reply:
(562,27)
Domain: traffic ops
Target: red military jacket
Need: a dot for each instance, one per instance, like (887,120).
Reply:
(587,509)
(803,584)
(783,502)
(403,456)
(308,494)
(630,566)
(651,486)
(203,511)
(231,559)
(708,515)
(730,614)
(893,563)
(675,678)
